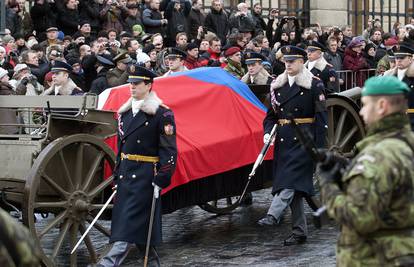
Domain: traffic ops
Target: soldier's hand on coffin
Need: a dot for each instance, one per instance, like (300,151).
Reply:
(266,138)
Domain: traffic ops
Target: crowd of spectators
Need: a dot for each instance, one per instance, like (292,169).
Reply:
(98,39)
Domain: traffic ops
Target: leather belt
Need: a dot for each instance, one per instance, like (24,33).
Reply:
(282,122)
(410,110)
(141,158)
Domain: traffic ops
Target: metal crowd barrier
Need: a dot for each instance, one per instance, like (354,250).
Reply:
(350,79)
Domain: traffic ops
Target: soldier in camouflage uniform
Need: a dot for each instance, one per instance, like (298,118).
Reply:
(17,247)
(373,201)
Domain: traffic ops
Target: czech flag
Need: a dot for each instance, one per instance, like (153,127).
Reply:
(218,120)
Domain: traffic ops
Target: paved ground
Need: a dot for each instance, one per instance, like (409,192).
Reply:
(193,237)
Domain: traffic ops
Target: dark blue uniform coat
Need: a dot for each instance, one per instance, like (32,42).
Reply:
(150,133)
(325,71)
(409,80)
(292,167)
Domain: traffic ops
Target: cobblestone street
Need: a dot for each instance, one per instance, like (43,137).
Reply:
(193,237)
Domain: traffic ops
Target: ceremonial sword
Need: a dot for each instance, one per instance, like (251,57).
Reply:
(94,220)
(155,196)
(259,159)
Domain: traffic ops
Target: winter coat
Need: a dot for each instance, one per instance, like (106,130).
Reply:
(292,166)
(152,22)
(68,20)
(8,115)
(100,83)
(218,23)
(355,62)
(195,19)
(177,19)
(112,17)
(259,23)
(43,16)
(242,23)
(151,133)
(89,11)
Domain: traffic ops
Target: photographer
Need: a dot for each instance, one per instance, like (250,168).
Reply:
(113,15)
(283,26)
(242,20)
(176,13)
(24,82)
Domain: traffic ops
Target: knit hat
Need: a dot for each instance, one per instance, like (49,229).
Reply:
(384,85)
(142,58)
(137,28)
(355,43)
(390,42)
(7,39)
(48,76)
(3,72)
(191,46)
(31,42)
(20,67)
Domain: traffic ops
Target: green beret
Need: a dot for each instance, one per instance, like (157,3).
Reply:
(384,85)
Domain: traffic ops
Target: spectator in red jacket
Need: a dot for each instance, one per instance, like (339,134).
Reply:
(355,61)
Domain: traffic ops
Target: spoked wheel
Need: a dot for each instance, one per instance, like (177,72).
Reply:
(66,181)
(221,206)
(345,127)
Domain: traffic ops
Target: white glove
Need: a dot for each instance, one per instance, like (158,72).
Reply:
(157,190)
(266,138)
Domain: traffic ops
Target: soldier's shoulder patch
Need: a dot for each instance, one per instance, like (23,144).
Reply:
(169,129)
(168,113)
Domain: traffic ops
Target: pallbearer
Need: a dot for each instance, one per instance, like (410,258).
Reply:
(146,158)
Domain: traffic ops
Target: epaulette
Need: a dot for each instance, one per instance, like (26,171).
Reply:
(164,106)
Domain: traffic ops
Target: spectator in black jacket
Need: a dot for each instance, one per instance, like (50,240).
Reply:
(176,13)
(69,19)
(260,24)
(103,64)
(153,20)
(195,19)
(30,58)
(89,11)
(217,21)
(43,16)
(134,17)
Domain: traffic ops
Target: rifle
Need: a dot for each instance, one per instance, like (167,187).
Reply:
(317,156)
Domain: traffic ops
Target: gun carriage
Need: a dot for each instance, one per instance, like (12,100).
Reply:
(56,167)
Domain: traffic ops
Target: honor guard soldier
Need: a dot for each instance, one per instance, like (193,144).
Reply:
(373,200)
(174,58)
(146,158)
(298,93)
(256,74)
(63,85)
(119,75)
(320,67)
(404,71)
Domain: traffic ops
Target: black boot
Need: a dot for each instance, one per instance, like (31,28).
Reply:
(294,240)
(269,220)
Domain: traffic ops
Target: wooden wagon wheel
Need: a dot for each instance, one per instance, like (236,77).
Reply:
(66,180)
(345,129)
